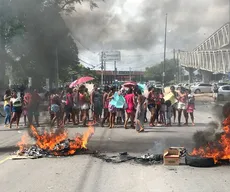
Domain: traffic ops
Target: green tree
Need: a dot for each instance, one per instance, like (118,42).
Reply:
(155,72)
(35,40)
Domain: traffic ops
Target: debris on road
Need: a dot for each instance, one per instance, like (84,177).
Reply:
(148,159)
(18,157)
(53,143)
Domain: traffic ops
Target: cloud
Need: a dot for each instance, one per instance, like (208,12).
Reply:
(138,25)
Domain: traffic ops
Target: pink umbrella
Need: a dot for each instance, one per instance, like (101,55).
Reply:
(130,84)
(80,81)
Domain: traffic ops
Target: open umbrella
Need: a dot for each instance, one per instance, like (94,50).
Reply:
(81,81)
(129,84)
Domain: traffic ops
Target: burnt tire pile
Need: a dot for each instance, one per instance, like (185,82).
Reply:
(197,161)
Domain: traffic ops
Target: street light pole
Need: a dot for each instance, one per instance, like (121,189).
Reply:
(165,43)
(57,67)
(102,69)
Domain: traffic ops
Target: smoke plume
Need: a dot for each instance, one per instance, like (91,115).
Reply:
(213,129)
(133,24)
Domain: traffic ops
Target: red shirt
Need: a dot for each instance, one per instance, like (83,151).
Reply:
(69,99)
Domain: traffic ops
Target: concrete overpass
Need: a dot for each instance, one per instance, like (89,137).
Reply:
(211,56)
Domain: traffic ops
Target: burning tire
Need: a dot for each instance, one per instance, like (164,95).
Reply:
(197,161)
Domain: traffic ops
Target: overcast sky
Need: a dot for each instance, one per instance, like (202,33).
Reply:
(136,28)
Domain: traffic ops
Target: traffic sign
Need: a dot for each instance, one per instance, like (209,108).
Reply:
(111,56)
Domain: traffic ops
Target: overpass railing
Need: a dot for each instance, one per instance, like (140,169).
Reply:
(217,40)
(214,61)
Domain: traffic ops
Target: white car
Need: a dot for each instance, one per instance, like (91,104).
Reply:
(201,88)
(223,93)
(158,86)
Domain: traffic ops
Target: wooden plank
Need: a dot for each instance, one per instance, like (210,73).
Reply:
(18,157)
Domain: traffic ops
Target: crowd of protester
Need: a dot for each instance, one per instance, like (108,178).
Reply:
(17,104)
(77,106)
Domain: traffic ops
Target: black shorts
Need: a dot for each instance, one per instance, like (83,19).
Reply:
(68,109)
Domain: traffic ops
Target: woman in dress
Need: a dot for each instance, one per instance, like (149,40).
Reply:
(191,106)
(140,111)
(7,108)
(130,111)
(112,109)
(152,105)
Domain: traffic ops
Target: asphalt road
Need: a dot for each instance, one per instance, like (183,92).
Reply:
(84,173)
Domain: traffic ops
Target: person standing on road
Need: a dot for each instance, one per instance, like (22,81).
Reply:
(168,111)
(55,108)
(140,111)
(96,105)
(76,105)
(191,106)
(152,105)
(130,111)
(16,106)
(105,105)
(7,108)
(181,107)
(215,92)
(69,106)
(112,109)
(84,104)
(33,108)
(174,105)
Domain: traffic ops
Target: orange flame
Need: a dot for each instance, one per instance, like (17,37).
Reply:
(219,150)
(49,140)
(24,142)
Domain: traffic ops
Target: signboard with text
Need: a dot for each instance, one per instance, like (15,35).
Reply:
(111,56)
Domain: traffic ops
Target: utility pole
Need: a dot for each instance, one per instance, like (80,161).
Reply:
(179,69)
(102,69)
(140,76)
(115,70)
(57,67)
(165,43)
(130,75)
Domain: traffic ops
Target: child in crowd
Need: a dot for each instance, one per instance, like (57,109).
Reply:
(168,112)
(162,112)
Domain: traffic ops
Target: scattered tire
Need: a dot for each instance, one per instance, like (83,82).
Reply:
(197,91)
(197,161)
(2,114)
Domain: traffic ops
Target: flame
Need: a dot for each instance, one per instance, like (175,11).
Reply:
(49,140)
(218,150)
(24,142)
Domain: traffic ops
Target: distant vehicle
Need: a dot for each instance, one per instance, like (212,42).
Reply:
(2,113)
(158,86)
(223,93)
(201,88)
(186,85)
(219,84)
(152,82)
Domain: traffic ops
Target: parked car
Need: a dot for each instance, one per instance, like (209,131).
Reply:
(2,113)
(158,86)
(201,88)
(223,93)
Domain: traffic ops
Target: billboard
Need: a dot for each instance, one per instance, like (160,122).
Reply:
(111,56)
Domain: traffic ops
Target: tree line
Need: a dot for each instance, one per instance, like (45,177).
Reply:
(172,71)
(35,42)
